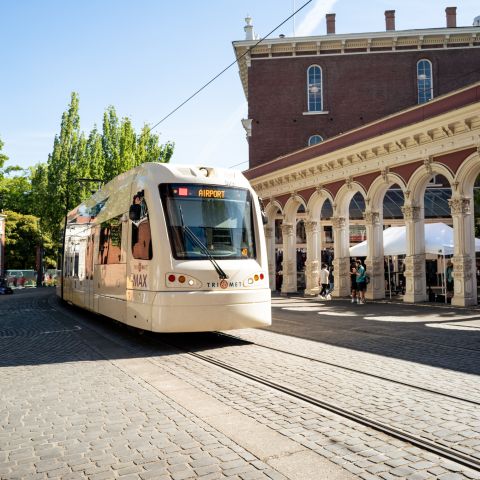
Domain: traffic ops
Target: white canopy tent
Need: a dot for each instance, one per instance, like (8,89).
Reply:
(438,241)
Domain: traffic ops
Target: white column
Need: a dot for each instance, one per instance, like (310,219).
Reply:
(341,262)
(270,241)
(374,261)
(464,275)
(415,275)
(312,267)
(289,267)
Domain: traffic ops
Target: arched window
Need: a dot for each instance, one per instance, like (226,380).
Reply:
(314,139)
(314,88)
(424,81)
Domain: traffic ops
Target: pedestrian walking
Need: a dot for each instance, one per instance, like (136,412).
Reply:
(324,273)
(361,281)
(449,279)
(353,281)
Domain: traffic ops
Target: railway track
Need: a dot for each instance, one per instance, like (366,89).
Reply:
(148,343)
(361,372)
(434,447)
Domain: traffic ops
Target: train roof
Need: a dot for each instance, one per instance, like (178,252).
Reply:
(119,188)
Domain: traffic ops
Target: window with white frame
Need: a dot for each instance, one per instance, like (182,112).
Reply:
(314,139)
(314,89)
(424,81)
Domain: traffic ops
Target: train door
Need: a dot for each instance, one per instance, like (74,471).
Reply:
(89,271)
(110,274)
(139,266)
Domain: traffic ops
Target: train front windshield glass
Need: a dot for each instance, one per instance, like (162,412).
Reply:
(208,220)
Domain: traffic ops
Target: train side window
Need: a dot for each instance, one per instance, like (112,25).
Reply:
(89,258)
(109,247)
(141,235)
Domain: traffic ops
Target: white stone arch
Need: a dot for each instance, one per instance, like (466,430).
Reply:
(373,217)
(316,202)
(314,239)
(341,236)
(344,196)
(463,217)
(271,211)
(291,208)
(418,182)
(379,187)
(467,174)
(414,217)
(289,264)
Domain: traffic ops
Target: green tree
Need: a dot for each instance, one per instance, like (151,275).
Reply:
(15,190)
(61,165)
(149,148)
(96,159)
(128,144)
(3,157)
(21,236)
(111,144)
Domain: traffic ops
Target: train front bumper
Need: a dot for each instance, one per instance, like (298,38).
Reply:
(211,310)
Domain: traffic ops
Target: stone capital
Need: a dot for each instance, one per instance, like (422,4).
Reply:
(312,226)
(459,205)
(338,222)
(411,212)
(287,229)
(371,218)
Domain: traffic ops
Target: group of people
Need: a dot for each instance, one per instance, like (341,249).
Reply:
(358,280)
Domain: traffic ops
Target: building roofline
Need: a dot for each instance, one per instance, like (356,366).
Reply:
(353,43)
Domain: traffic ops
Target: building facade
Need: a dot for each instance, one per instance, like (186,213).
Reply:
(381,112)
(309,89)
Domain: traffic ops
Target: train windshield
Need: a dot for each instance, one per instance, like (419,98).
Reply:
(209,221)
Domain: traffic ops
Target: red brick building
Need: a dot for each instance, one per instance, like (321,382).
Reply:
(304,88)
(337,117)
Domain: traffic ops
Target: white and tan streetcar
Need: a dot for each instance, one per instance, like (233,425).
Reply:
(170,249)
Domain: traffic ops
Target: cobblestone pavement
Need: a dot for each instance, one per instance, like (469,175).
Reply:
(82,398)
(68,412)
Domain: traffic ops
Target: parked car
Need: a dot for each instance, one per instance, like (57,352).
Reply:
(4,288)
(21,278)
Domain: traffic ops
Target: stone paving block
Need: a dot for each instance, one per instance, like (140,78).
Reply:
(450,476)
(100,476)
(402,471)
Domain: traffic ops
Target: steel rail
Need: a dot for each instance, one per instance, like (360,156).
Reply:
(425,444)
(354,370)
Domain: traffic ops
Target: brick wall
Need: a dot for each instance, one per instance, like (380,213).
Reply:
(356,90)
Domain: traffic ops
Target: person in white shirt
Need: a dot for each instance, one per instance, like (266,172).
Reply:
(324,273)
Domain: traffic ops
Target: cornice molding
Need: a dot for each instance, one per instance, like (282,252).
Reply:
(396,41)
(453,131)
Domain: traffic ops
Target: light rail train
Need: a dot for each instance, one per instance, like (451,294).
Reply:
(170,249)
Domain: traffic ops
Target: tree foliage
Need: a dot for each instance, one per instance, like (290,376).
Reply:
(98,155)
(22,237)
(48,190)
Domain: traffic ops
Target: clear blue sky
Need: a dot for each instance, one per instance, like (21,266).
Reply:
(145,57)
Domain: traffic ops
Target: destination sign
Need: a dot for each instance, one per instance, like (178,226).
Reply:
(205,191)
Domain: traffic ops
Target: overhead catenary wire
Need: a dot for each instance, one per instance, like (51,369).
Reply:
(227,68)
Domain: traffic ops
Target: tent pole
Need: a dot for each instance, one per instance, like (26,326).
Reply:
(444,283)
(389,277)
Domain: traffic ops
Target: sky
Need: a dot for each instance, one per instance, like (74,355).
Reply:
(145,57)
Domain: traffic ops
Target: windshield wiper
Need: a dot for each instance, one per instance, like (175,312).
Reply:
(221,274)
